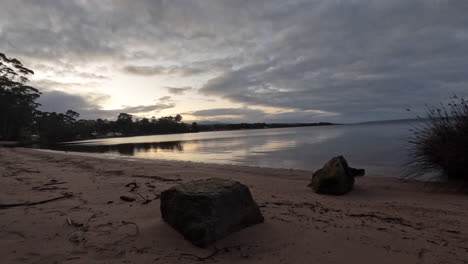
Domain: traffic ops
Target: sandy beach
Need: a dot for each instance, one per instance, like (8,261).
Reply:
(383,220)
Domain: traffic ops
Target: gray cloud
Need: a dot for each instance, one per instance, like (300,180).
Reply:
(178,90)
(371,60)
(47,84)
(145,70)
(256,115)
(88,105)
(70,70)
(184,71)
(165,99)
(227,112)
(360,59)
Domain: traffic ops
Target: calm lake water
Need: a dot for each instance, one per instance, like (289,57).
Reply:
(380,148)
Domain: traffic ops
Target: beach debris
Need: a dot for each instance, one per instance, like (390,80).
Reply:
(204,211)
(357,172)
(134,186)
(335,177)
(127,198)
(146,201)
(49,186)
(70,222)
(158,178)
(149,185)
(64,196)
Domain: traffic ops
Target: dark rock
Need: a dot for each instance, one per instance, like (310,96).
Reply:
(336,177)
(357,172)
(204,211)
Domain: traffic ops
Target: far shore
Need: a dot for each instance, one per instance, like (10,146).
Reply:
(82,219)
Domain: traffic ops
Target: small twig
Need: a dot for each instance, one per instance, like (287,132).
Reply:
(214,253)
(124,223)
(89,219)
(146,200)
(5,206)
(54,183)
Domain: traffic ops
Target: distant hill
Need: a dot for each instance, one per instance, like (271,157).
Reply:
(225,126)
(387,121)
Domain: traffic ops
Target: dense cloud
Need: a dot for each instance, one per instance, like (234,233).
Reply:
(363,59)
(358,60)
(57,101)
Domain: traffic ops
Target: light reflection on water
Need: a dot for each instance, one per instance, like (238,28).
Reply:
(380,148)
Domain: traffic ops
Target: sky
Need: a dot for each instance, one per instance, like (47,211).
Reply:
(241,61)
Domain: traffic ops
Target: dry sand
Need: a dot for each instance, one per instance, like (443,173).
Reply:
(382,220)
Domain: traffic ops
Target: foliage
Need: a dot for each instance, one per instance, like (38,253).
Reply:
(124,124)
(439,144)
(17,100)
(53,127)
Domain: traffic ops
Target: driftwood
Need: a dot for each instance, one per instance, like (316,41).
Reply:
(65,196)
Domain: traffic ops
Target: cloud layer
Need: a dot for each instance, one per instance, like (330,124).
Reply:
(88,105)
(360,60)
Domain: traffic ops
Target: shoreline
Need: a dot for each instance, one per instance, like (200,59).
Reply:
(145,159)
(382,220)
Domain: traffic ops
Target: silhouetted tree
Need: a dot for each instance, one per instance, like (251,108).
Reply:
(144,126)
(72,115)
(124,124)
(17,100)
(194,127)
(178,118)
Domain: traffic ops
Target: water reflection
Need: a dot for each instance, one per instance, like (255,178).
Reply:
(377,147)
(124,149)
(236,147)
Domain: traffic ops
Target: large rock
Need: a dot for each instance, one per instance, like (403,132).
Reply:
(336,177)
(207,210)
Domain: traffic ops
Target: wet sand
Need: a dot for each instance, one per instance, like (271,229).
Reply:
(383,220)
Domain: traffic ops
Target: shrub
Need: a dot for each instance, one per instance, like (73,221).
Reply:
(439,142)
